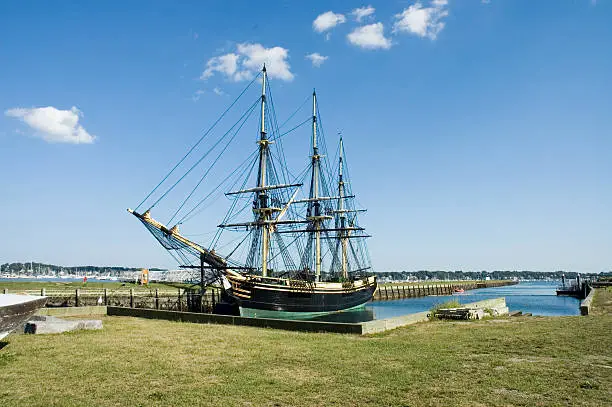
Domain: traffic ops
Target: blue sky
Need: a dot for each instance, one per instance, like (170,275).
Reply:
(479,134)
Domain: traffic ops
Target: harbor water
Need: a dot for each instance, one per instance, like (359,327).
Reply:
(538,298)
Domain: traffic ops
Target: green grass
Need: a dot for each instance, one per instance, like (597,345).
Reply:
(602,302)
(515,361)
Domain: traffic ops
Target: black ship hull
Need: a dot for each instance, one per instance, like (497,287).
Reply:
(261,298)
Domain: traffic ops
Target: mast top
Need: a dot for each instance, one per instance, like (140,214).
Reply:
(264,68)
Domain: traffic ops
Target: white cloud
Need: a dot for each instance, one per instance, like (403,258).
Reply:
(327,21)
(316,59)
(247,60)
(226,64)
(422,21)
(362,12)
(255,55)
(370,37)
(54,125)
(196,96)
(218,92)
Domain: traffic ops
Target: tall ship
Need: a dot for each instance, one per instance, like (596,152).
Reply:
(290,244)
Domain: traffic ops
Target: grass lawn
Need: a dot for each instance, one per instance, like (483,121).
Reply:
(534,361)
(602,303)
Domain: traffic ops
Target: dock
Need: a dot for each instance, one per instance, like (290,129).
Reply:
(398,291)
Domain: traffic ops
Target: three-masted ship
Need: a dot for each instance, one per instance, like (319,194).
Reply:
(299,255)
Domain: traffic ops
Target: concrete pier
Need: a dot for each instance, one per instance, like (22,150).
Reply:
(398,291)
(585,305)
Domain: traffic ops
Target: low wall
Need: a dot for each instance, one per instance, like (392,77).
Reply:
(585,305)
(291,325)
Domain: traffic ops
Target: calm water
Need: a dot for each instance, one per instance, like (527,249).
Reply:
(539,298)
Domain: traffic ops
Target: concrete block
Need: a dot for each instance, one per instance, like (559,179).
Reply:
(42,324)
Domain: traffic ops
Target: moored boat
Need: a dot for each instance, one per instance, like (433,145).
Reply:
(16,309)
(298,256)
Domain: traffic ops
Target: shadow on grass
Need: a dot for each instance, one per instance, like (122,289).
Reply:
(3,344)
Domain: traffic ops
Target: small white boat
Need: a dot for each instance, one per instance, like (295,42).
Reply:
(15,309)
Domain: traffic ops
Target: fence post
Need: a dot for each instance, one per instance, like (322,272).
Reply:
(180,305)
(5,291)
(131,298)
(76,297)
(42,292)
(105,296)
(156,299)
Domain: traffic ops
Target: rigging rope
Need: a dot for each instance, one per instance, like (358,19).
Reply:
(197,143)
(200,160)
(186,217)
(214,162)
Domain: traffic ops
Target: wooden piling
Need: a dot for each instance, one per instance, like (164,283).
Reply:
(105,296)
(156,298)
(131,298)
(77,293)
(42,292)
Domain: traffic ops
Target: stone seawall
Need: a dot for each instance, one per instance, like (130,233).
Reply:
(399,291)
(585,305)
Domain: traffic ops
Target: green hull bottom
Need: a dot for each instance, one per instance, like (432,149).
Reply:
(258,313)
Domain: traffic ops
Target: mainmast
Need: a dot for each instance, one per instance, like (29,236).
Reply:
(343,235)
(264,213)
(316,218)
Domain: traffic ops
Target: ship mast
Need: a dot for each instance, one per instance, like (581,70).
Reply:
(343,237)
(264,213)
(316,218)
